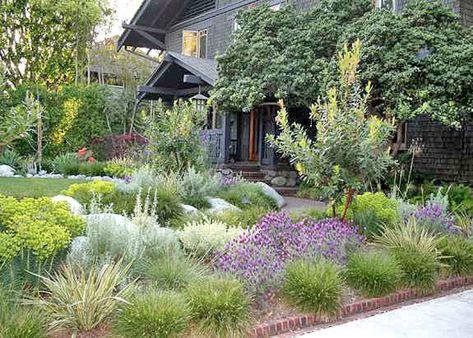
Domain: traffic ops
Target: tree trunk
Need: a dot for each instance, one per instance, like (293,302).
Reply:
(349,198)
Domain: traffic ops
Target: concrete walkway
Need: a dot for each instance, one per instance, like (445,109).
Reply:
(446,317)
(301,205)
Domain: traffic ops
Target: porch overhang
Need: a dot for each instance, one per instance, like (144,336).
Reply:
(179,76)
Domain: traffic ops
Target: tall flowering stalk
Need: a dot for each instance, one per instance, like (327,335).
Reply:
(259,256)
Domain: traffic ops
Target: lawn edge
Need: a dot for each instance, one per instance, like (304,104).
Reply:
(295,323)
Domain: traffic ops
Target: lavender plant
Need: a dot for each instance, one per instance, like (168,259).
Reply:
(259,256)
(435,217)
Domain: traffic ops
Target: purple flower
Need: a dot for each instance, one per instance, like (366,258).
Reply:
(260,255)
(435,217)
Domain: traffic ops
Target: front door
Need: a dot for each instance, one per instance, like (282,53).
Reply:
(254,136)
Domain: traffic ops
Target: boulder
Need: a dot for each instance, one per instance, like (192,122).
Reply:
(6,171)
(190,210)
(218,205)
(271,192)
(75,207)
(278,181)
(291,182)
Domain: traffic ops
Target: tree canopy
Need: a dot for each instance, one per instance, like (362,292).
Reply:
(45,41)
(418,60)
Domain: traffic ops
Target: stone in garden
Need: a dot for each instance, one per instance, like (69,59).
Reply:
(75,207)
(190,210)
(6,171)
(18,176)
(218,205)
(291,182)
(278,181)
(271,192)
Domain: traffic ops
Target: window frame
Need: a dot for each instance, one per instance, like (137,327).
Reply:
(198,34)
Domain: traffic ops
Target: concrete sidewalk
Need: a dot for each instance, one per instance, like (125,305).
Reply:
(446,317)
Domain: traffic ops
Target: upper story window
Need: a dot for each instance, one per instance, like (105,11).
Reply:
(194,43)
(387,4)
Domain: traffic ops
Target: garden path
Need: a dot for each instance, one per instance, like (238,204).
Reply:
(302,205)
(447,317)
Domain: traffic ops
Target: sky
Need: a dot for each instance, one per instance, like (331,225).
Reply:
(124,11)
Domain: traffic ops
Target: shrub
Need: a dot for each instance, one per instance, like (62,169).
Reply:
(168,205)
(373,273)
(245,195)
(244,219)
(11,158)
(79,300)
(260,254)
(314,287)
(83,192)
(196,186)
(17,321)
(457,253)
(119,167)
(38,225)
(92,168)
(203,238)
(415,249)
(153,314)
(460,198)
(173,272)
(220,307)
(66,164)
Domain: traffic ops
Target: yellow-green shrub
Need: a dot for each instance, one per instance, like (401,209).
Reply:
(39,225)
(84,192)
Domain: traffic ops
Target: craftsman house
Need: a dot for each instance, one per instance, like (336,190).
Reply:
(190,33)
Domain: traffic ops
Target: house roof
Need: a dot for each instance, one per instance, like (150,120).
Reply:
(152,19)
(167,79)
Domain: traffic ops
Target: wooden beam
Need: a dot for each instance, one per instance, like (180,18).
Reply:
(134,52)
(152,39)
(143,28)
(157,90)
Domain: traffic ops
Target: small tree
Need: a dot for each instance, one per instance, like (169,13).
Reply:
(174,137)
(351,148)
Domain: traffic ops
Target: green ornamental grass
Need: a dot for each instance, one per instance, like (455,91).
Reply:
(457,253)
(314,286)
(153,314)
(219,307)
(373,274)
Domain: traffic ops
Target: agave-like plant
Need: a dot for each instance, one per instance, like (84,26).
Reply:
(80,300)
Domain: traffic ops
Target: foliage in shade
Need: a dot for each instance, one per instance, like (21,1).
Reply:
(373,273)
(153,314)
(260,255)
(79,300)
(17,321)
(220,307)
(457,254)
(314,286)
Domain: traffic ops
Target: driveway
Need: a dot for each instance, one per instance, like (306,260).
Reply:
(446,317)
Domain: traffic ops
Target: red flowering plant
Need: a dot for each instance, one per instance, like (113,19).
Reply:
(85,155)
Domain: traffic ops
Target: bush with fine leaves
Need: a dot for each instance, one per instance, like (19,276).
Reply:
(314,287)
(373,274)
(457,253)
(247,195)
(154,314)
(220,307)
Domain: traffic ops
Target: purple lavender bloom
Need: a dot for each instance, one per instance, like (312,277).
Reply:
(259,256)
(435,217)
(127,179)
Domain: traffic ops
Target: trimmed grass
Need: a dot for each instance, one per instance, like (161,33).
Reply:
(34,187)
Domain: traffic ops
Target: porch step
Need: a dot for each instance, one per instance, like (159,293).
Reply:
(286,191)
(253,176)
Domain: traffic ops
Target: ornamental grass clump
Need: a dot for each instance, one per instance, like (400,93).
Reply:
(153,314)
(415,249)
(457,254)
(220,307)
(314,286)
(80,300)
(260,254)
(373,273)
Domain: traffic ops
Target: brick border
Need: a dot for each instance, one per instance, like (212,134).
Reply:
(295,323)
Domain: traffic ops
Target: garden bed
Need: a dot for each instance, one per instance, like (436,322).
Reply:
(299,322)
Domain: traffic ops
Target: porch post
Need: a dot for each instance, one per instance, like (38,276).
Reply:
(226,137)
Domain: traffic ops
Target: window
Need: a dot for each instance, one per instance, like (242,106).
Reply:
(387,4)
(276,7)
(194,43)
(236,25)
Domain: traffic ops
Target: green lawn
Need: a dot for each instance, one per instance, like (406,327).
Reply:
(34,187)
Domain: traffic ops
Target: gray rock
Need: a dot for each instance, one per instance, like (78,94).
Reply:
(291,182)
(271,173)
(278,181)
(6,171)
(75,207)
(293,174)
(17,176)
(190,210)
(271,192)
(218,205)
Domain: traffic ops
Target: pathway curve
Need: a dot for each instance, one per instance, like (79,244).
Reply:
(447,317)
(302,205)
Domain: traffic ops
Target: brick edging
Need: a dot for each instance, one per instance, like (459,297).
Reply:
(295,323)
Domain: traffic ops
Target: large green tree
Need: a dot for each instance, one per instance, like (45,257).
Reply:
(45,41)
(418,60)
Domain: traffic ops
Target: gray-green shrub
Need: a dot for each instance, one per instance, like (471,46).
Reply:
(314,286)
(373,273)
(153,314)
(220,307)
(247,195)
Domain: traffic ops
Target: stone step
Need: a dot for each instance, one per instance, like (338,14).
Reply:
(286,191)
